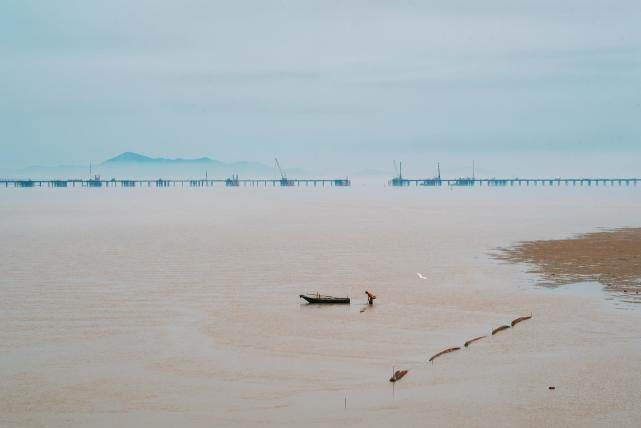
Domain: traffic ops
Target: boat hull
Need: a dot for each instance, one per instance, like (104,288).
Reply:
(325,299)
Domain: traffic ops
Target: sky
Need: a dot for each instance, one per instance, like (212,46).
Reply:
(521,87)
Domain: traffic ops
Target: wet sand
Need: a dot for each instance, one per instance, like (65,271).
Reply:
(174,307)
(611,257)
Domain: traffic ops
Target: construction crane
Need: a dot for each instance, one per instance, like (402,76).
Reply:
(283,176)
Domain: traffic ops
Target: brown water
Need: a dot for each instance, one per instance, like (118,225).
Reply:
(179,307)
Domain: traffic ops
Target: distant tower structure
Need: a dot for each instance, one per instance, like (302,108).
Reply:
(398,180)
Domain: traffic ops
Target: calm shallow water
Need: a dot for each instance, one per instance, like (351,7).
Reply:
(166,307)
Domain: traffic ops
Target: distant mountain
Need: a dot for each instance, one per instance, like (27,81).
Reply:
(128,158)
(137,166)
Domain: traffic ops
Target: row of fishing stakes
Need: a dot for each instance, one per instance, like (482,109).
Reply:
(399,374)
(466,344)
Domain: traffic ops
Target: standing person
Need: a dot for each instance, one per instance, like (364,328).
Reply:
(370,297)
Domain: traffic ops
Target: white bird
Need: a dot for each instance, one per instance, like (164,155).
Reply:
(420,275)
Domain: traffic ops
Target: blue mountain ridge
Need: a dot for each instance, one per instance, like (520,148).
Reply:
(136,165)
(136,158)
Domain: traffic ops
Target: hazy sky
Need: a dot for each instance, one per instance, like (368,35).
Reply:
(520,86)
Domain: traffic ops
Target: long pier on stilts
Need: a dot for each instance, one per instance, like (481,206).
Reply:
(400,181)
(342,182)
(229,182)
(502,182)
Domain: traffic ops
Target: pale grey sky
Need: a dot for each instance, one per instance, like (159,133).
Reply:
(520,86)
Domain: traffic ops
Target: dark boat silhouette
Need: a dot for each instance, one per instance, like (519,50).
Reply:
(319,298)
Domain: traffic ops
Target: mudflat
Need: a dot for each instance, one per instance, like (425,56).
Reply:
(612,258)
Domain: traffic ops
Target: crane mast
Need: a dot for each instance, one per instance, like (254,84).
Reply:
(282,173)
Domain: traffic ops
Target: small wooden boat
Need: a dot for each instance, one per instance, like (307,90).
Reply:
(319,298)
(398,375)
